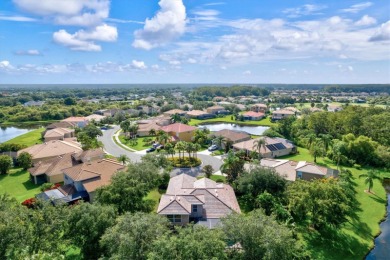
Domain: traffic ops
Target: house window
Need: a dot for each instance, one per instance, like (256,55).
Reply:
(174,218)
(300,175)
(194,208)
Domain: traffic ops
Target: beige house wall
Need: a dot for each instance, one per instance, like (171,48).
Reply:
(185,136)
(56,178)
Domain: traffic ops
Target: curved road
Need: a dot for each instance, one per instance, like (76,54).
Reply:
(112,148)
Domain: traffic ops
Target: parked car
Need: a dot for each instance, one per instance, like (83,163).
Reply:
(160,147)
(151,149)
(155,145)
(213,148)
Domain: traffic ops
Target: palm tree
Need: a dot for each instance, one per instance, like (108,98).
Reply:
(258,144)
(326,141)
(229,165)
(180,146)
(188,148)
(125,126)
(196,148)
(123,159)
(152,132)
(176,118)
(310,140)
(170,149)
(228,143)
(370,176)
(208,170)
(218,141)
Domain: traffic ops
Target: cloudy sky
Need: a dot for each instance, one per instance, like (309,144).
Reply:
(194,41)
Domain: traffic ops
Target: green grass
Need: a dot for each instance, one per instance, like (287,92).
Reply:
(28,139)
(155,196)
(228,119)
(355,239)
(218,177)
(140,145)
(18,185)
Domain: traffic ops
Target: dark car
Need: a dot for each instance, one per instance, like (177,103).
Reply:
(151,149)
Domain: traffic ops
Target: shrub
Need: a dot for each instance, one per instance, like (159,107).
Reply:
(185,162)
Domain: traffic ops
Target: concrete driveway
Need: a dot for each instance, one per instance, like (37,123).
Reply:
(114,149)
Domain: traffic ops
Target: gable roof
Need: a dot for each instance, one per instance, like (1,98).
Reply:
(175,111)
(178,128)
(283,111)
(54,166)
(51,149)
(58,132)
(62,124)
(93,153)
(196,113)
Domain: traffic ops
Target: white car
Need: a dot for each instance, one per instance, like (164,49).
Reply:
(213,148)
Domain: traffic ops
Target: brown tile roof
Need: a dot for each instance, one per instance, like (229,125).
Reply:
(94,174)
(217,199)
(259,105)
(175,111)
(234,136)
(54,166)
(216,107)
(51,149)
(58,132)
(196,113)
(253,114)
(249,144)
(62,124)
(93,153)
(178,128)
(283,111)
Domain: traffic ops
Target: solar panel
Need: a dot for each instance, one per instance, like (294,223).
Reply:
(271,147)
(280,146)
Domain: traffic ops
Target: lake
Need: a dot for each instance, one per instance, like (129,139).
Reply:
(250,129)
(7,133)
(382,242)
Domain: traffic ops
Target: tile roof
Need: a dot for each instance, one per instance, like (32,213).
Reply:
(178,128)
(196,113)
(94,174)
(58,132)
(62,124)
(234,136)
(51,149)
(216,107)
(54,166)
(283,111)
(217,199)
(259,105)
(254,114)
(175,111)
(93,153)
(249,144)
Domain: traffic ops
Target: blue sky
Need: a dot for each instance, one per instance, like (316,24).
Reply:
(194,41)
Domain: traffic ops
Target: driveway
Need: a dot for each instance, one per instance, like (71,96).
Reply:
(114,149)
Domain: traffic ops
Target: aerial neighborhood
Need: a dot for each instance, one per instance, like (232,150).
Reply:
(204,157)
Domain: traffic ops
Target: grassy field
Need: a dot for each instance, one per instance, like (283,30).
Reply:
(308,105)
(228,119)
(140,145)
(18,185)
(154,195)
(29,139)
(356,238)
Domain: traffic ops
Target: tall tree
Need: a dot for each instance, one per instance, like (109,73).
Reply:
(5,164)
(133,235)
(232,166)
(369,178)
(259,144)
(24,160)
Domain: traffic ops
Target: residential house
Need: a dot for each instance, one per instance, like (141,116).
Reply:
(111,112)
(199,114)
(281,113)
(292,170)
(89,155)
(293,109)
(180,132)
(149,110)
(58,134)
(259,108)
(50,150)
(251,115)
(60,125)
(202,201)
(144,126)
(233,136)
(175,112)
(334,108)
(34,103)
(78,121)
(216,110)
(273,147)
(90,176)
(94,117)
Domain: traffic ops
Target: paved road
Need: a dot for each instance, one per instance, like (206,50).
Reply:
(112,148)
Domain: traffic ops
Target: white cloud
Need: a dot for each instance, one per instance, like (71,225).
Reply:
(28,53)
(357,7)
(17,18)
(382,33)
(366,21)
(206,15)
(70,40)
(69,12)
(4,64)
(168,24)
(191,61)
(82,40)
(308,9)
(138,64)
(247,73)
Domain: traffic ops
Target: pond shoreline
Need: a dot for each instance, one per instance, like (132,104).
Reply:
(386,218)
(233,123)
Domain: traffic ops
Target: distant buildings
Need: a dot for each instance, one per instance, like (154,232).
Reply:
(34,103)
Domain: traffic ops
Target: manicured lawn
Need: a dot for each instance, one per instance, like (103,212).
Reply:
(18,185)
(218,178)
(228,119)
(140,144)
(154,195)
(355,238)
(29,139)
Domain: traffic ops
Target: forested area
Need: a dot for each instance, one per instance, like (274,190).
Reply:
(355,135)
(233,91)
